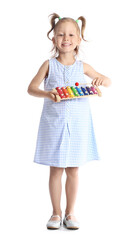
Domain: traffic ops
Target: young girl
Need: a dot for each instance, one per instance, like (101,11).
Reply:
(66,138)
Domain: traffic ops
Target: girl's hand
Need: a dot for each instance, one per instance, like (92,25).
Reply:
(101,81)
(52,95)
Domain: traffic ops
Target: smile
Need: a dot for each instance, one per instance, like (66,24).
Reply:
(66,44)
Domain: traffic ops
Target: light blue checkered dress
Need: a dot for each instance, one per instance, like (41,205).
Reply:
(65,136)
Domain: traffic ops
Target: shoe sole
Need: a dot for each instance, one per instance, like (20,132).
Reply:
(51,228)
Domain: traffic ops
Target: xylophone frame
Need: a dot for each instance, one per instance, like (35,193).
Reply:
(59,99)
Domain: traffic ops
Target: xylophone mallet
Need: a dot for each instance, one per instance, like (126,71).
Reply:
(77,84)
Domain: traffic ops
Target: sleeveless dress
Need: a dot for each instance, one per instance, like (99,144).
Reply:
(65,136)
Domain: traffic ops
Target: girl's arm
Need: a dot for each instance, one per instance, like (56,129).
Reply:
(98,79)
(33,88)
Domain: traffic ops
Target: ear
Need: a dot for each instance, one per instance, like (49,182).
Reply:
(79,40)
(53,39)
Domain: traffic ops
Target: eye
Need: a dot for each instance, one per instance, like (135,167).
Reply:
(60,34)
(71,35)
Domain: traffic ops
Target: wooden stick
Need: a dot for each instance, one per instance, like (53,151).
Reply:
(77,84)
(99,92)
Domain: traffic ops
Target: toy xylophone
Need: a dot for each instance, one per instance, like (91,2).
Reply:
(65,93)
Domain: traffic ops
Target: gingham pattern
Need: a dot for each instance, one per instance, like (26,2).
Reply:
(66,136)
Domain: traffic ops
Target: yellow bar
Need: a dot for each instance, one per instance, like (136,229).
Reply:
(70,92)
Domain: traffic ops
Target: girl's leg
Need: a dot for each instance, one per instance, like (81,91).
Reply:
(71,189)
(55,188)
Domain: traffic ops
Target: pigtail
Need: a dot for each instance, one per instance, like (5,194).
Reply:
(83,20)
(52,22)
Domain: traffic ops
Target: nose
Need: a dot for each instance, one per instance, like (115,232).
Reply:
(65,37)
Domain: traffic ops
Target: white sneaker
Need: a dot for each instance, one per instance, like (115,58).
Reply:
(54,224)
(70,224)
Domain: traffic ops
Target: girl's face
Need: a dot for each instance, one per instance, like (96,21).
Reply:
(66,37)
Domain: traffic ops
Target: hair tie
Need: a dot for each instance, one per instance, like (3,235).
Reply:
(77,20)
(59,18)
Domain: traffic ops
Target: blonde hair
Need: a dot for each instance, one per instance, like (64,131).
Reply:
(55,25)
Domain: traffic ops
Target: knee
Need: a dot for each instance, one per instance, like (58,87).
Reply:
(72,171)
(56,172)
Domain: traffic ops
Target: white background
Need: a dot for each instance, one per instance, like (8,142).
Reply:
(107,202)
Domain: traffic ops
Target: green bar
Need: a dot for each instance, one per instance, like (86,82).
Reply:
(75,91)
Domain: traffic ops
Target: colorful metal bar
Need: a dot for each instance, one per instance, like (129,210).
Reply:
(70,92)
(65,92)
(79,91)
(94,90)
(89,90)
(74,91)
(84,91)
(60,92)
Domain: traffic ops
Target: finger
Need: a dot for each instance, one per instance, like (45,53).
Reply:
(93,82)
(96,83)
(100,82)
(56,97)
(54,92)
(53,97)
